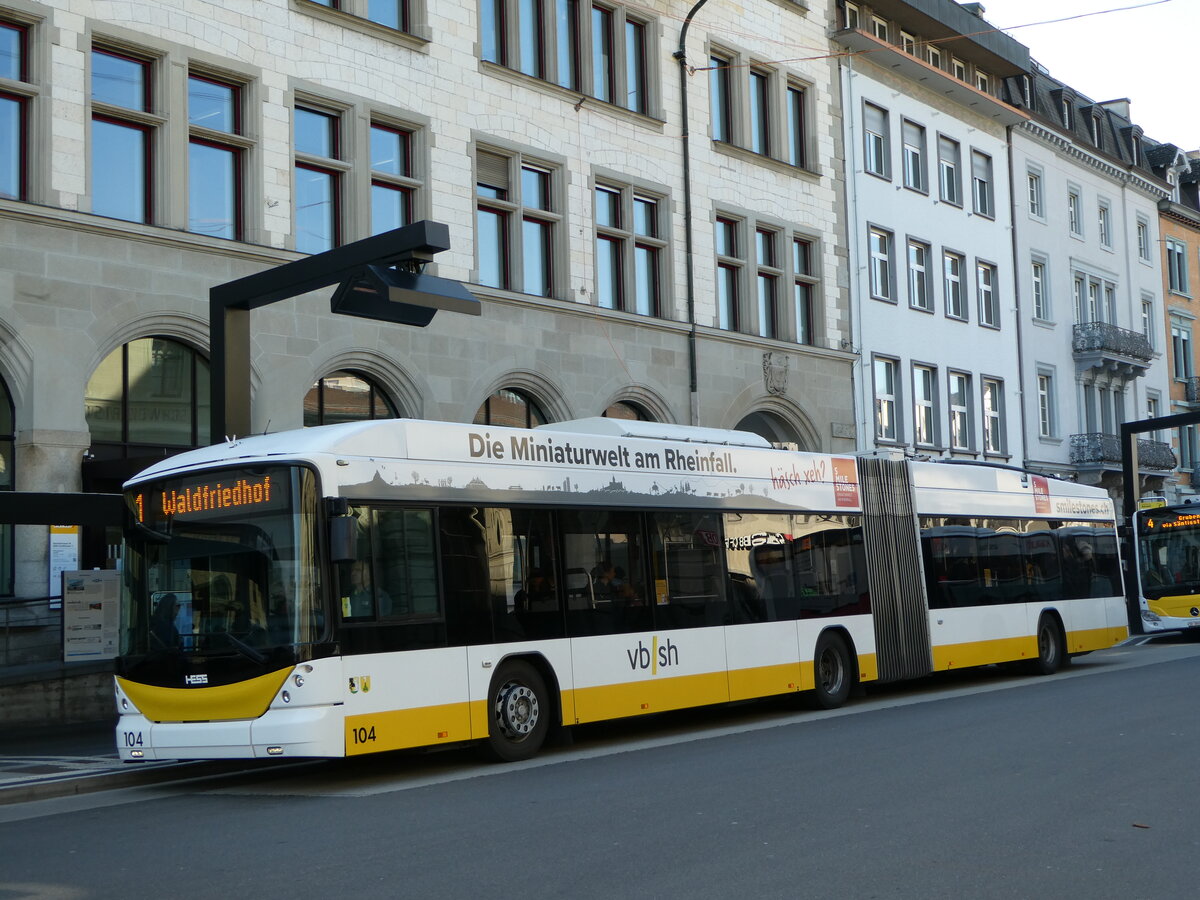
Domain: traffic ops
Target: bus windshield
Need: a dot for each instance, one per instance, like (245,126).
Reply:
(222,562)
(1169,551)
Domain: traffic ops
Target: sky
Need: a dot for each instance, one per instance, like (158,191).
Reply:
(1146,53)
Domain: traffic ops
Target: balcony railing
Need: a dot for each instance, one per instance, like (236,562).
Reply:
(1100,337)
(1105,450)
(1192,389)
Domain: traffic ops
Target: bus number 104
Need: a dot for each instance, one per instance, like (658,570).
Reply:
(363,735)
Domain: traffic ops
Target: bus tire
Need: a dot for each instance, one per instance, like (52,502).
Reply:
(1051,648)
(833,674)
(519,712)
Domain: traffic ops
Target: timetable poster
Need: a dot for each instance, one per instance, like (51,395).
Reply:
(90,614)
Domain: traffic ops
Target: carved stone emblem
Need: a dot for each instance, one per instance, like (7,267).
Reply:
(775,372)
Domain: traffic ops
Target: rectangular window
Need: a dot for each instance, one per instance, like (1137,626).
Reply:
(760,112)
(719,90)
(1104,223)
(908,42)
(1045,393)
(629,249)
(319,173)
(797,126)
(547,39)
(1177,273)
(952,286)
(1074,219)
(960,411)
(919,295)
(1181,350)
(852,17)
(516,223)
(392,185)
(14,112)
(925,418)
(993,416)
(1036,204)
(886,428)
(1148,321)
(767,280)
(949,176)
(875,140)
(879,27)
(1143,240)
(959,68)
(122,140)
(985,289)
(730,264)
(880,249)
(804,288)
(983,81)
(915,170)
(934,56)
(1041,296)
(214,160)
(981,183)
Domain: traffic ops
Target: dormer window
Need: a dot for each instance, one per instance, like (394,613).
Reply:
(879,27)
(1027,90)
(1096,134)
(1065,109)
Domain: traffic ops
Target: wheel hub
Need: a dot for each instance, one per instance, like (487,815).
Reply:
(517,710)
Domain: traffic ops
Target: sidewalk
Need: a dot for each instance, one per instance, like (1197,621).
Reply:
(39,763)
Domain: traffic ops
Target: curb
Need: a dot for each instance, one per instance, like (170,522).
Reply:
(134,776)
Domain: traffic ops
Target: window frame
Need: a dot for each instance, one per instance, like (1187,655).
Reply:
(514,215)
(1035,187)
(982,184)
(950,171)
(995,421)
(876,144)
(953,289)
(24,91)
(1047,404)
(987,293)
(1176,266)
(630,241)
(1039,281)
(960,413)
(886,402)
(881,265)
(148,122)
(920,290)
(925,406)
(915,156)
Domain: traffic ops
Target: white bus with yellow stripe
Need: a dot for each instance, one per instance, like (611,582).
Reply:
(380,585)
(1167,548)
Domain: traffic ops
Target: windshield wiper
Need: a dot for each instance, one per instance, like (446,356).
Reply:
(245,649)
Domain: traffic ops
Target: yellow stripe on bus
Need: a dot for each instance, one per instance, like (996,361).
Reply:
(1173,607)
(245,700)
(983,653)
(637,698)
(399,729)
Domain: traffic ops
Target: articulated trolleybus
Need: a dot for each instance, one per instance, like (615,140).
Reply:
(379,585)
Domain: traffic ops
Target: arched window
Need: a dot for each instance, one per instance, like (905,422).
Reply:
(623,409)
(346,397)
(510,408)
(773,428)
(153,392)
(7,438)
(145,401)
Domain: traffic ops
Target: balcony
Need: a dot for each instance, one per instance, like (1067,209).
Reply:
(1191,389)
(1103,451)
(1098,345)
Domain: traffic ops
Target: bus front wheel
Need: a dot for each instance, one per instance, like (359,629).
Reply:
(518,712)
(832,672)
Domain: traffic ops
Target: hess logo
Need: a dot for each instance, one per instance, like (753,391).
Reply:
(195,679)
(656,656)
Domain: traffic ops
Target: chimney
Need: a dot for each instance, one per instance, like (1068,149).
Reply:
(1120,107)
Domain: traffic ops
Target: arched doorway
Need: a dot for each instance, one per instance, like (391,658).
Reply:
(145,401)
(510,408)
(346,396)
(626,409)
(7,459)
(773,428)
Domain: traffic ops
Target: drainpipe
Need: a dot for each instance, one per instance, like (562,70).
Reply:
(681,56)
(1016,282)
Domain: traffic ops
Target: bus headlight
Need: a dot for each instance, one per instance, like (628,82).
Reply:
(287,698)
(298,680)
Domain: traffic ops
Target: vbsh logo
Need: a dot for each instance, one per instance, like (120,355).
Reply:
(656,656)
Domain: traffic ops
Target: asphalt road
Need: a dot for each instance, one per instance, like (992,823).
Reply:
(977,785)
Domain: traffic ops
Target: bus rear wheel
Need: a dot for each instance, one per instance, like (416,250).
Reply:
(518,712)
(832,672)
(1051,652)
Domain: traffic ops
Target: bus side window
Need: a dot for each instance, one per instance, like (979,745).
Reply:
(408,584)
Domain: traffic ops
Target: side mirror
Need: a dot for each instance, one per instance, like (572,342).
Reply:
(343,539)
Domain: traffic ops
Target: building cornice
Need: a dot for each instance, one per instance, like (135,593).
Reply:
(1177,212)
(1104,167)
